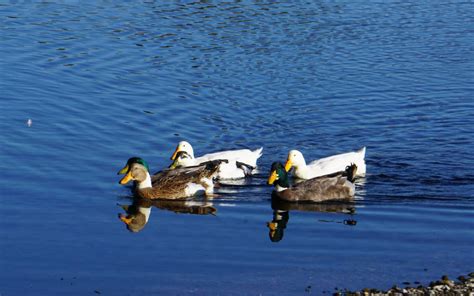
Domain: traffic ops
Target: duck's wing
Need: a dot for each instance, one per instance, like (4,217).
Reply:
(180,177)
(322,189)
(338,162)
(246,156)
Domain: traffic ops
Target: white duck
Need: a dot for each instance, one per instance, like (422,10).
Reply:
(241,163)
(325,166)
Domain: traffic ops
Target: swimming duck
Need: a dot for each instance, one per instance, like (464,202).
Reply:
(170,184)
(325,166)
(241,163)
(331,187)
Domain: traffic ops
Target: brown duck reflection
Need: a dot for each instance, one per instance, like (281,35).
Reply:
(281,213)
(137,214)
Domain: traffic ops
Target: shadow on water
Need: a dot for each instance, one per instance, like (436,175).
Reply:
(137,214)
(281,214)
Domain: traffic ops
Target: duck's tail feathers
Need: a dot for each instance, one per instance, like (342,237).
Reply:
(362,152)
(258,152)
(245,167)
(213,165)
(351,172)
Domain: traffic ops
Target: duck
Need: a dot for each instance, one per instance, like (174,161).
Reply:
(240,163)
(326,165)
(138,213)
(336,186)
(170,184)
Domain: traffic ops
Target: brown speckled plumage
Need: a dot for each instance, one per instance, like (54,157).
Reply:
(318,190)
(171,184)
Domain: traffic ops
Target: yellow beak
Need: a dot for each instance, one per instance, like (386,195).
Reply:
(126,179)
(175,153)
(123,171)
(272,225)
(126,220)
(288,165)
(272,178)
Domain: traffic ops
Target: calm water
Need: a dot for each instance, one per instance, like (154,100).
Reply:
(103,81)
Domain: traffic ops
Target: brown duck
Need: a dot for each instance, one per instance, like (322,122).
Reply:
(170,184)
(329,187)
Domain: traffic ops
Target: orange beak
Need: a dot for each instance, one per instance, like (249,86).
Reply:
(126,179)
(272,225)
(175,153)
(288,165)
(125,219)
(123,170)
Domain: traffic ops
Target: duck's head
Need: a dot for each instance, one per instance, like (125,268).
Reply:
(183,146)
(136,169)
(278,175)
(182,158)
(294,159)
(134,222)
(131,161)
(277,226)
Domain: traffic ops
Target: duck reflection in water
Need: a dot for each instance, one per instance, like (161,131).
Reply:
(281,214)
(138,213)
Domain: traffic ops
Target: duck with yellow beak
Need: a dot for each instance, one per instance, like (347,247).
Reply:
(331,187)
(240,163)
(325,166)
(170,184)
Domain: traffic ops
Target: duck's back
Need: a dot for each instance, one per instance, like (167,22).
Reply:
(337,163)
(246,156)
(319,189)
(180,183)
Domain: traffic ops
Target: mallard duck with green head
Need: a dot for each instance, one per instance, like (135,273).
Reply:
(169,184)
(331,187)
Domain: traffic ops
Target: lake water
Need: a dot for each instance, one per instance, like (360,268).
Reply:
(102,81)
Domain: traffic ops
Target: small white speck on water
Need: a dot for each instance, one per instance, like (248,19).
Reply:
(29,122)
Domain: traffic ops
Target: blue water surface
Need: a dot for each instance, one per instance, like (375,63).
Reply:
(102,81)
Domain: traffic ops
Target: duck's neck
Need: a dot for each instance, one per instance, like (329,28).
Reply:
(146,212)
(301,170)
(145,183)
(279,188)
(282,183)
(190,161)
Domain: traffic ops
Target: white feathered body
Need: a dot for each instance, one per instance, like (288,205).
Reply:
(333,164)
(246,156)
(240,163)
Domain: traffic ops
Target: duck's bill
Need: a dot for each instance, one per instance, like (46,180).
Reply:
(124,170)
(125,220)
(173,157)
(272,178)
(288,165)
(126,179)
(272,225)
